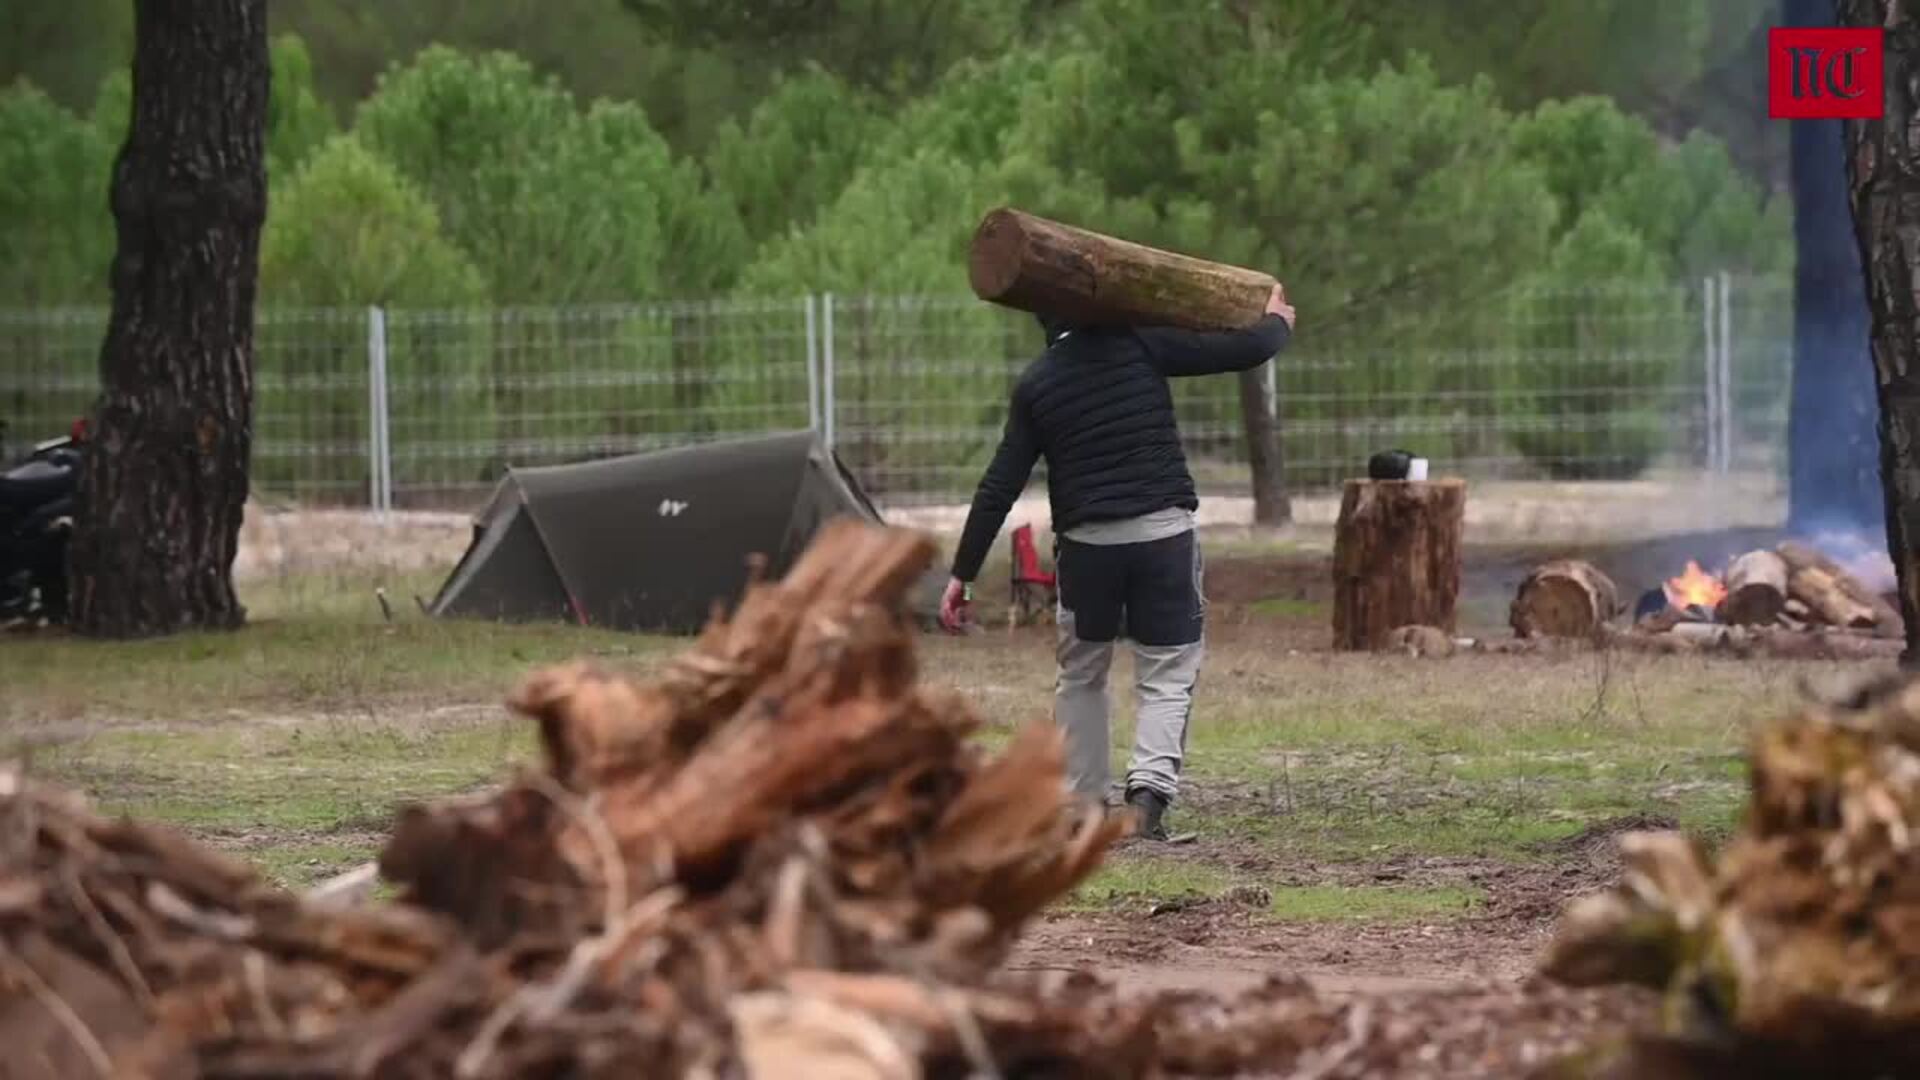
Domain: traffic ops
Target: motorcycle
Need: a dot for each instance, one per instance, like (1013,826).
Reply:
(36,519)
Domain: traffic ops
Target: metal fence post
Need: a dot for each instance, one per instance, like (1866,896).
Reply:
(379,450)
(1708,296)
(813,369)
(826,369)
(1726,372)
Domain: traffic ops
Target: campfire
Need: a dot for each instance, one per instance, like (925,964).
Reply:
(1694,590)
(1792,600)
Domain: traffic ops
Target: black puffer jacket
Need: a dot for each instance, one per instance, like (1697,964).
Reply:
(1097,406)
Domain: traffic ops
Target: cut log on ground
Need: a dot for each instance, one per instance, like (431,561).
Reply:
(1835,595)
(1032,264)
(1564,599)
(1756,590)
(1396,559)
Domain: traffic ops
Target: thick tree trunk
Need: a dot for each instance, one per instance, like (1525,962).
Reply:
(1832,455)
(1883,174)
(1270,503)
(1035,265)
(1396,559)
(165,481)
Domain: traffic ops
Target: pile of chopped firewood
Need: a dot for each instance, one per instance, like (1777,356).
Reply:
(1790,602)
(780,858)
(1795,952)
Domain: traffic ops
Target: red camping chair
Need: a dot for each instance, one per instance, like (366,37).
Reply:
(1034,590)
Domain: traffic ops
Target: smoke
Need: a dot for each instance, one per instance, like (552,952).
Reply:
(1864,555)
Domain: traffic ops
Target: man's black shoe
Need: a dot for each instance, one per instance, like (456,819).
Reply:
(1151,807)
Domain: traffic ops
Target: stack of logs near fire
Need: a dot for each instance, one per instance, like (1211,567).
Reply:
(1791,601)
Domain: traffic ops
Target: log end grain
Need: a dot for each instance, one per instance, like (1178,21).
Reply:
(1564,599)
(998,251)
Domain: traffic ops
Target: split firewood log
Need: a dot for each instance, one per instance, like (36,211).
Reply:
(1568,598)
(1756,589)
(1834,595)
(1031,264)
(1827,601)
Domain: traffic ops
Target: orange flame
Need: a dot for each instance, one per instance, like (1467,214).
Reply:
(1695,587)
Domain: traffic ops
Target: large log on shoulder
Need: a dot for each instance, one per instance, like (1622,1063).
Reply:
(1566,598)
(1396,559)
(1032,264)
(1756,590)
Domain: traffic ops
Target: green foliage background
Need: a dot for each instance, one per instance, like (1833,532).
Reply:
(1502,204)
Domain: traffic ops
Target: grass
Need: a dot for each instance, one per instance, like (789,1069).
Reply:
(1374,903)
(292,742)
(287,666)
(1286,607)
(1134,881)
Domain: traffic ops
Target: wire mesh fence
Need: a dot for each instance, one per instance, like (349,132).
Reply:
(425,409)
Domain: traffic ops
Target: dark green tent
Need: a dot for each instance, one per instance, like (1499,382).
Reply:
(648,541)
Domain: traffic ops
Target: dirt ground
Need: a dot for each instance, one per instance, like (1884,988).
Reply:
(1227,943)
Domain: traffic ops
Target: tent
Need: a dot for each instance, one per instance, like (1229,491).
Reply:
(648,541)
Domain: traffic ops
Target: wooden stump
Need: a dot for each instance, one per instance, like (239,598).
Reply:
(1396,559)
(1564,599)
(1756,590)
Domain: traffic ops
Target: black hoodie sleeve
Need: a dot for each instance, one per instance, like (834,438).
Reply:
(1179,352)
(1005,479)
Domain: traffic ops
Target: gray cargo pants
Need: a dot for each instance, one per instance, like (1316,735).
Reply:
(1154,592)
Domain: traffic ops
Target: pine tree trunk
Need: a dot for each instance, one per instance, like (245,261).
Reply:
(1270,503)
(164,486)
(1883,174)
(1833,458)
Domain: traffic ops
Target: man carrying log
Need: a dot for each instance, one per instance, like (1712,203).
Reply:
(1096,405)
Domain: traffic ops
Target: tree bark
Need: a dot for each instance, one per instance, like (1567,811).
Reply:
(1883,181)
(164,485)
(1271,506)
(1565,599)
(1396,559)
(1833,462)
(1035,265)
